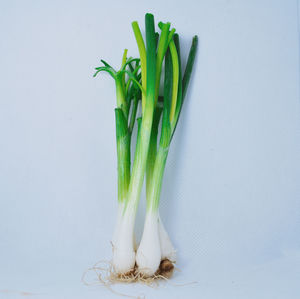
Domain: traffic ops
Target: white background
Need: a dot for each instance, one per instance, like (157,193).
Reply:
(231,196)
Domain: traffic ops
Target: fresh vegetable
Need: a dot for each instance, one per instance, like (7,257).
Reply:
(138,83)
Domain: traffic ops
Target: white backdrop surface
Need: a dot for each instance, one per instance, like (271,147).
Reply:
(231,194)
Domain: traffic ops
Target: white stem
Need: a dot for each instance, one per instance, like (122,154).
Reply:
(148,255)
(118,223)
(117,227)
(166,247)
(123,243)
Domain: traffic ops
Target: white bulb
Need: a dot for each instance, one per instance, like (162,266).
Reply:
(123,244)
(148,255)
(167,249)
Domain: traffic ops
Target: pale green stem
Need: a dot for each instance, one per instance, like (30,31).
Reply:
(153,194)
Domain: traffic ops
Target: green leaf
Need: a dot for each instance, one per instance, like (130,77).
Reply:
(109,70)
(175,63)
(151,58)
(189,66)
(166,126)
(128,62)
(179,94)
(132,77)
(105,63)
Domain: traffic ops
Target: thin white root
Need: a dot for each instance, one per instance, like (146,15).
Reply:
(106,276)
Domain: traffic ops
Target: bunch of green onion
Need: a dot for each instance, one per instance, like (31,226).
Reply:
(137,83)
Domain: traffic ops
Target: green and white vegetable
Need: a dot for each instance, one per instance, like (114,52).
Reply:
(137,83)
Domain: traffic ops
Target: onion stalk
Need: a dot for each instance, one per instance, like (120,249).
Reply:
(155,244)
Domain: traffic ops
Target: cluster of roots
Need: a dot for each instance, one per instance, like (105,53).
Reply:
(107,276)
(164,271)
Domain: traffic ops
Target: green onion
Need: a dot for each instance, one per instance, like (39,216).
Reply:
(139,80)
